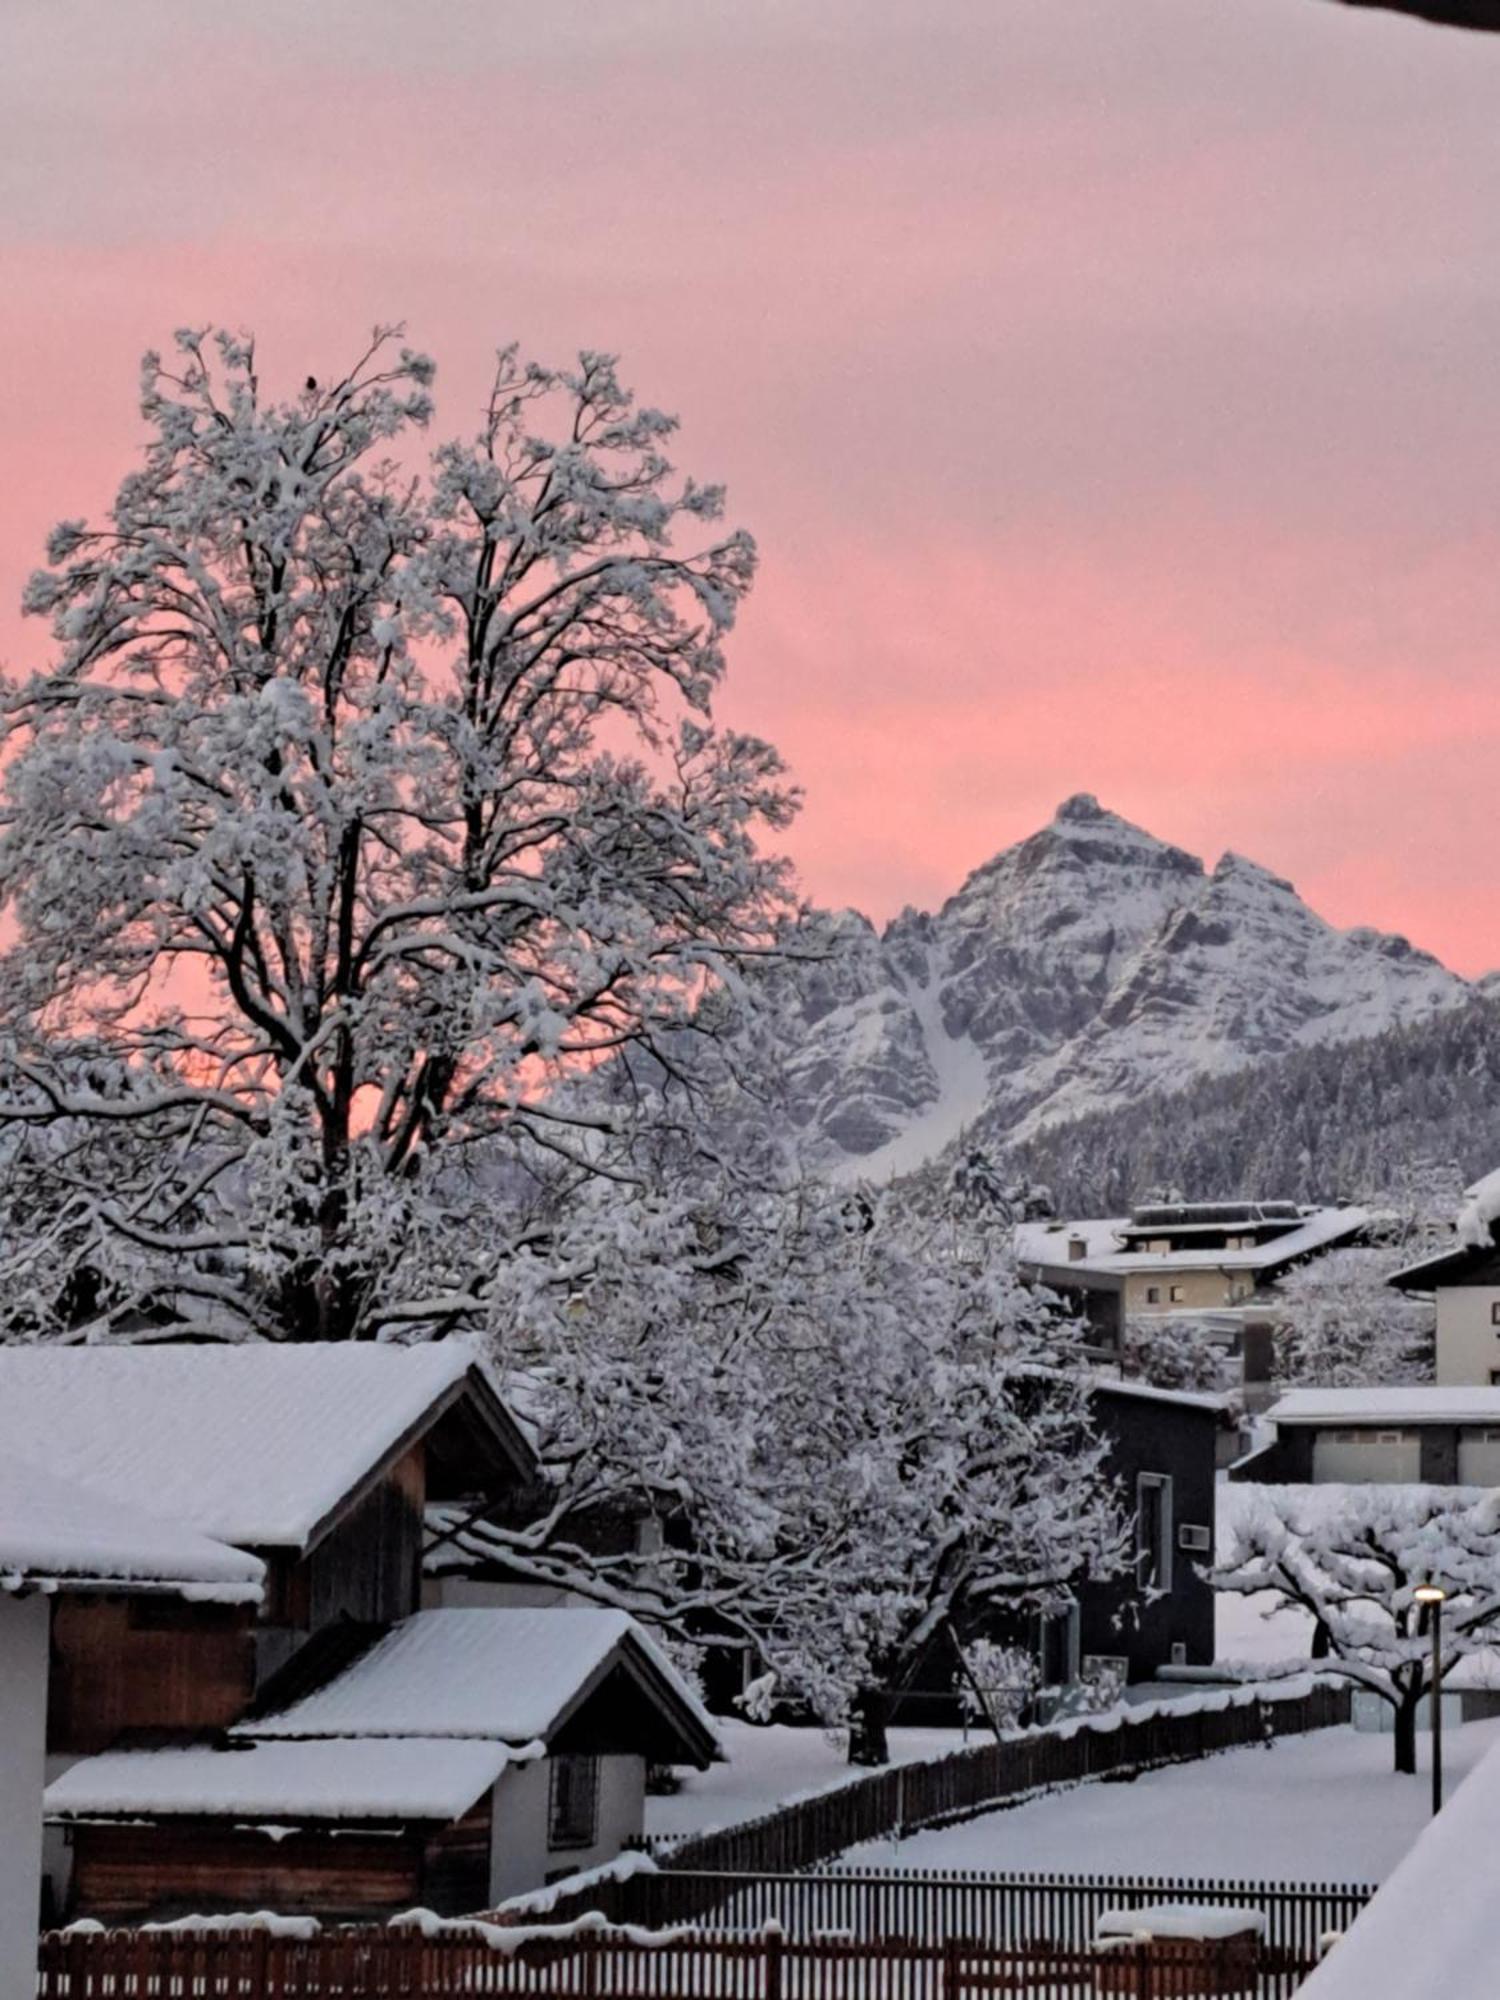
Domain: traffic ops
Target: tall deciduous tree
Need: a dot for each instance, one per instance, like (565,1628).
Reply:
(362,801)
(844,1442)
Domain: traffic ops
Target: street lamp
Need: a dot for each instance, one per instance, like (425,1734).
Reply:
(1433,1597)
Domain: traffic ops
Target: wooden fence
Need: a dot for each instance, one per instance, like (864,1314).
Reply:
(1012,1912)
(905,1798)
(599,1965)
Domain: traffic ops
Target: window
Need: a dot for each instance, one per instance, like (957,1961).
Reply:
(1057,1647)
(1153,1530)
(573,1802)
(1153,1295)
(1175,1294)
(1495,1312)
(1495,1378)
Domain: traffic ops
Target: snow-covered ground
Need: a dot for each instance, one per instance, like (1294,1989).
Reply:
(1319,1808)
(769,1766)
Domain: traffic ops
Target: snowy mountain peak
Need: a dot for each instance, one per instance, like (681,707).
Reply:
(1082,807)
(1084,967)
(1237,868)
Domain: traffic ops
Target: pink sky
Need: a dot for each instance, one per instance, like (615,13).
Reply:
(1112,384)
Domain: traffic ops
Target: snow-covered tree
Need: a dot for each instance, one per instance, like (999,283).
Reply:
(1338,1324)
(363,802)
(1173,1351)
(838,1443)
(1353,1557)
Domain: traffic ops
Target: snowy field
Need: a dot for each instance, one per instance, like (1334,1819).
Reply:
(1320,1808)
(769,1766)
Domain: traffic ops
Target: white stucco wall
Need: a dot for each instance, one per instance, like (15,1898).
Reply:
(1468,1341)
(520,1858)
(23,1740)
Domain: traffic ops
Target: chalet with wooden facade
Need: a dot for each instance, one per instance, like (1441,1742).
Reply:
(310,1467)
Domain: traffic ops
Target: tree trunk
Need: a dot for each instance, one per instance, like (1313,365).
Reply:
(1406,1733)
(869,1742)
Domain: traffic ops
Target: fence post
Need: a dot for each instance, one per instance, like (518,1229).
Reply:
(774,1944)
(952,1969)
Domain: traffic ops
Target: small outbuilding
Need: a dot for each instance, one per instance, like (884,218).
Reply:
(467,1756)
(1426,1434)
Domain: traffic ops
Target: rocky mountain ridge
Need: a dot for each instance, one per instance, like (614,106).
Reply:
(1085,968)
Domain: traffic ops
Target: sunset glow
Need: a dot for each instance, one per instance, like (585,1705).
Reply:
(1111,387)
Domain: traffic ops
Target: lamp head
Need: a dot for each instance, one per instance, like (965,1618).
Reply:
(1429,1593)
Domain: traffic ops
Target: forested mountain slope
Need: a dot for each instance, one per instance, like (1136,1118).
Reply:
(1408,1116)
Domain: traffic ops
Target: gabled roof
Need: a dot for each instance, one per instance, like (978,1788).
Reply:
(512,1676)
(58,1535)
(1424,1403)
(262,1445)
(410,1778)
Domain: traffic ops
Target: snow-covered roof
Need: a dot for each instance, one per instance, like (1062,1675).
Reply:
(255,1445)
(509,1675)
(1147,1392)
(1432,1931)
(58,1535)
(1047,1243)
(409,1778)
(1475,1222)
(1423,1403)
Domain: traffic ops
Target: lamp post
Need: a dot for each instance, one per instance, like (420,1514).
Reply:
(1433,1597)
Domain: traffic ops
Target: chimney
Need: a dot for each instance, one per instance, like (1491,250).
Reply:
(1077,1248)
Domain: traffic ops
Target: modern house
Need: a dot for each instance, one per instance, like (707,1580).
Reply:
(1428,1434)
(1463,1279)
(63,1544)
(308,1468)
(1163,1451)
(1159,1612)
(467,1756)
(1177,1257)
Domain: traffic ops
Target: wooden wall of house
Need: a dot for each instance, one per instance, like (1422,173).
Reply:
(368,1567)
(123,1667)
(456,1863)
(122,1664)
(129,1874)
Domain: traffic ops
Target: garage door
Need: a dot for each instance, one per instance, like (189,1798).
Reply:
(1357,1457)
(1479,1458)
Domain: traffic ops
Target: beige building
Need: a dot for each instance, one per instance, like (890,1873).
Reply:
(1184,1257)
(1464,1283)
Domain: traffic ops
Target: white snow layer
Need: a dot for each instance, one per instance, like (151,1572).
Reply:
(56,1534)
(962,1081)
(1047,1243)
(1422,1403)
(508,1675)
(410,1778)
(254,1445)
(1433,1931)
(1476,1221)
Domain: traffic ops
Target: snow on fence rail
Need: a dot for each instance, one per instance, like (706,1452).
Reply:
(370,1964)
(909,1797)
(1013,1911)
